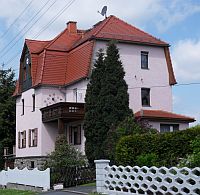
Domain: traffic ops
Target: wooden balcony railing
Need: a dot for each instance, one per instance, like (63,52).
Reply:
(69,111)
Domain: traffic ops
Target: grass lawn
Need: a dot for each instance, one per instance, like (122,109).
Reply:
(89,184)
(15,192)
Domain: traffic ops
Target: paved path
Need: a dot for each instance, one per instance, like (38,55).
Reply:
(72,191)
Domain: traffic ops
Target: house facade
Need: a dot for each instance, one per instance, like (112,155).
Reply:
(53,79)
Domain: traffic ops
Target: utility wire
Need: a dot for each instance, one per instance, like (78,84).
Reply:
(5,50)
(55,18)
(24,10)
(46,26)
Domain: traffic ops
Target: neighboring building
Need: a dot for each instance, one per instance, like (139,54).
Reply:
(54,75)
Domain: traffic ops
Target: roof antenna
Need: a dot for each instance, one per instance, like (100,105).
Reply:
(103,11)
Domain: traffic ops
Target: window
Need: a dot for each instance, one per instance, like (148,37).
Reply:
(169,127)
(22,106)
(145,95)
(33,96)
(33,137)
(75,135)
(144,59)
(22,139)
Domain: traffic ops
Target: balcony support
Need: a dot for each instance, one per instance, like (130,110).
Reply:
(60,126)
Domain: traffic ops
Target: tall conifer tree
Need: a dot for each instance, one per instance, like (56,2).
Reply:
(7,105)
(107,101)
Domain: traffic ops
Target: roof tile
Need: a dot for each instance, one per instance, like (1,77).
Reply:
(160,114)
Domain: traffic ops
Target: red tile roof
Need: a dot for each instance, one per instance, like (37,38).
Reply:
(67,58)
(162,115)
(115,28)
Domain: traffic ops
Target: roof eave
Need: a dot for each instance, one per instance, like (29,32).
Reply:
(133,42)
(166,119)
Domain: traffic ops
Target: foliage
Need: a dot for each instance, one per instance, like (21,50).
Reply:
(148,160)
(7,104)
(64,155)
(107,101)
(192,160)
(129,126)
(169,147)
(7,111)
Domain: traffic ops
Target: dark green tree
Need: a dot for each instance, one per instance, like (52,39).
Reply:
(7,104)
(7,110)
(107,101)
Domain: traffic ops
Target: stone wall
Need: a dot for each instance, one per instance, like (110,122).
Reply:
(31,162)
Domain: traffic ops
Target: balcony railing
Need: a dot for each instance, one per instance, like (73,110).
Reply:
(69,111)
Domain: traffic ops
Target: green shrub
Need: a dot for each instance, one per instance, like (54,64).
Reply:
(169,147)
(129,126)
(148,160)
(65,155)
(192,160)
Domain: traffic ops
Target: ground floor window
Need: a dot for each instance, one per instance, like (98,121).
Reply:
(33,137)
(169,127)
(22,139)
(75,135)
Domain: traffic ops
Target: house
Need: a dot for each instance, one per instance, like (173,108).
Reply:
(53,78)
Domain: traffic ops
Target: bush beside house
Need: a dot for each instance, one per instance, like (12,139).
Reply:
(64,157)
(166,148)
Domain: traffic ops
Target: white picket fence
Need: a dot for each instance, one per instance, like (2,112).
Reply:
(128,180)
(33,177)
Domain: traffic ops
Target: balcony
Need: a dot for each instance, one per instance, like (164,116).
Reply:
(67,111)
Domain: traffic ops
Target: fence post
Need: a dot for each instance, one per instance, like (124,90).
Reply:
(100,174)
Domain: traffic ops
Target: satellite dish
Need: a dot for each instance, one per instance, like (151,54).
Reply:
(103,11)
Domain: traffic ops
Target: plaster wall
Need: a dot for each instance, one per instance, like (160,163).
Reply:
(78,89)
(29,120)
(155,77)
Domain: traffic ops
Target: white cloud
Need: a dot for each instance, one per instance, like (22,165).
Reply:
(175,12)
(163,15)
(186,60)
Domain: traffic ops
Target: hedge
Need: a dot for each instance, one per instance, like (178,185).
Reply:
(169,147)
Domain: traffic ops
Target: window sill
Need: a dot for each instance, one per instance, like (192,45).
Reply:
(32,146)
(147,106)
(145,68)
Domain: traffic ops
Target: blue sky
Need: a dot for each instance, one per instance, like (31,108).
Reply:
(174,21)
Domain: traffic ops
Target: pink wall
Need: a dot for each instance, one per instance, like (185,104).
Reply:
(29,120)
(136,78)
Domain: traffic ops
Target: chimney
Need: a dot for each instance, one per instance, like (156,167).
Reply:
(71,26)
